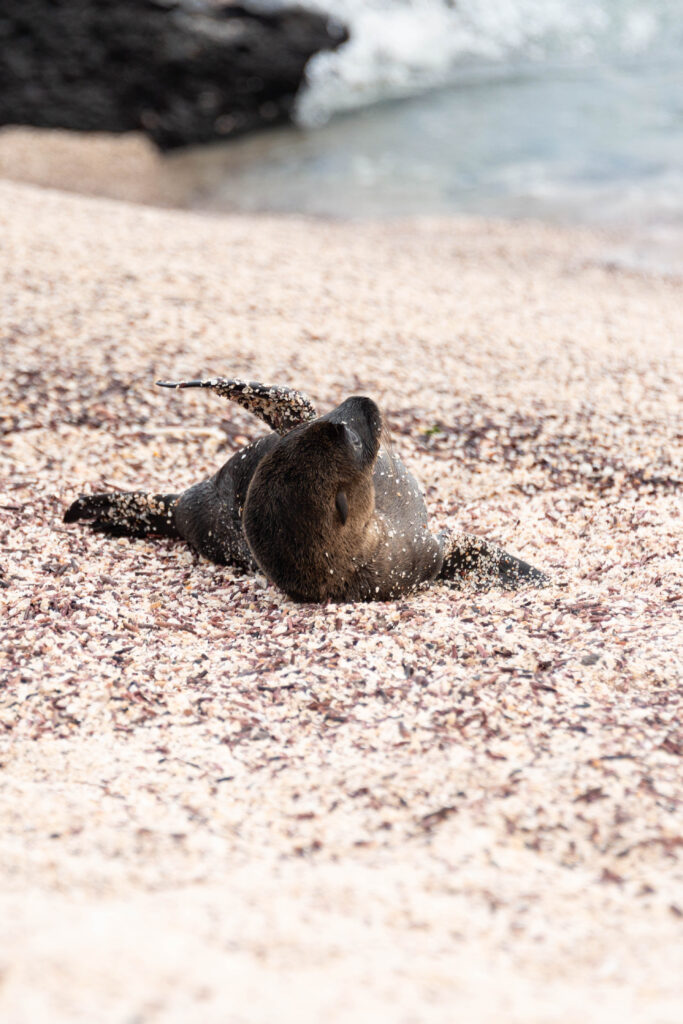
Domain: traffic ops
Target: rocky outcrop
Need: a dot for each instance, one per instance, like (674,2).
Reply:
(183,72)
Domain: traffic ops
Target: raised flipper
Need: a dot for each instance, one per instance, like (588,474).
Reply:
(127,513)
(472,559)
(280,407)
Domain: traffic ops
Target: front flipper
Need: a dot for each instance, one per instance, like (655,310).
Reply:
(280,407)
(473,559)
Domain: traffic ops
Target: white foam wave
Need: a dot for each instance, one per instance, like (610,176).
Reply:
(399,47)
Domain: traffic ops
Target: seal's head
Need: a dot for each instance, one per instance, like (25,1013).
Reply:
(308,513)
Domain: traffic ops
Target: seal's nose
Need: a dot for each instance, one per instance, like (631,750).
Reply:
(362,418)
(356,412)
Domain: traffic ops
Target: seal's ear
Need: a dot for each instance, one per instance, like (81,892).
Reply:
(342,504)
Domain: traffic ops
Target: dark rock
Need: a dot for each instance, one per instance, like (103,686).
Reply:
(182,72)
(590,659)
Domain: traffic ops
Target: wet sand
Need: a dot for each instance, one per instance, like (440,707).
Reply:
(217,805)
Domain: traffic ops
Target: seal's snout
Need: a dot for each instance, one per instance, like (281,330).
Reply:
(360,408)
(363,422)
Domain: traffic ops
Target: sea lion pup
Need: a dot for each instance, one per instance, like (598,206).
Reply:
(319,505)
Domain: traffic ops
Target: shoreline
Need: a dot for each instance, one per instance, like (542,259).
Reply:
(216,803)
(84,165)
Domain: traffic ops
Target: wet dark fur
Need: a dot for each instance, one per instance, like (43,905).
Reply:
(321,509)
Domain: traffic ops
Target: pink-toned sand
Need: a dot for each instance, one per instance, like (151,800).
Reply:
(217,806)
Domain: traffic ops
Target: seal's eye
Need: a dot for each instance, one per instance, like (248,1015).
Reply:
(342,504)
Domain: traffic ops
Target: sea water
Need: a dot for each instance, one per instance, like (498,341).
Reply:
(568,110)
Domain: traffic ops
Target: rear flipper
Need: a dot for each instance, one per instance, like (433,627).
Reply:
(127,514)
(472,559)
(281,408)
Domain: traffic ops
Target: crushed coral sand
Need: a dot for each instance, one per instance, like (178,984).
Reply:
(220,806)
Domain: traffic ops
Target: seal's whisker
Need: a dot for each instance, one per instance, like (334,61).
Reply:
(385,442)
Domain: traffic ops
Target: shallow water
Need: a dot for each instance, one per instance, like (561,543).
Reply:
(570,117)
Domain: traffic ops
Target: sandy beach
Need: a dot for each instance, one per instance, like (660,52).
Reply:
(220,806)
